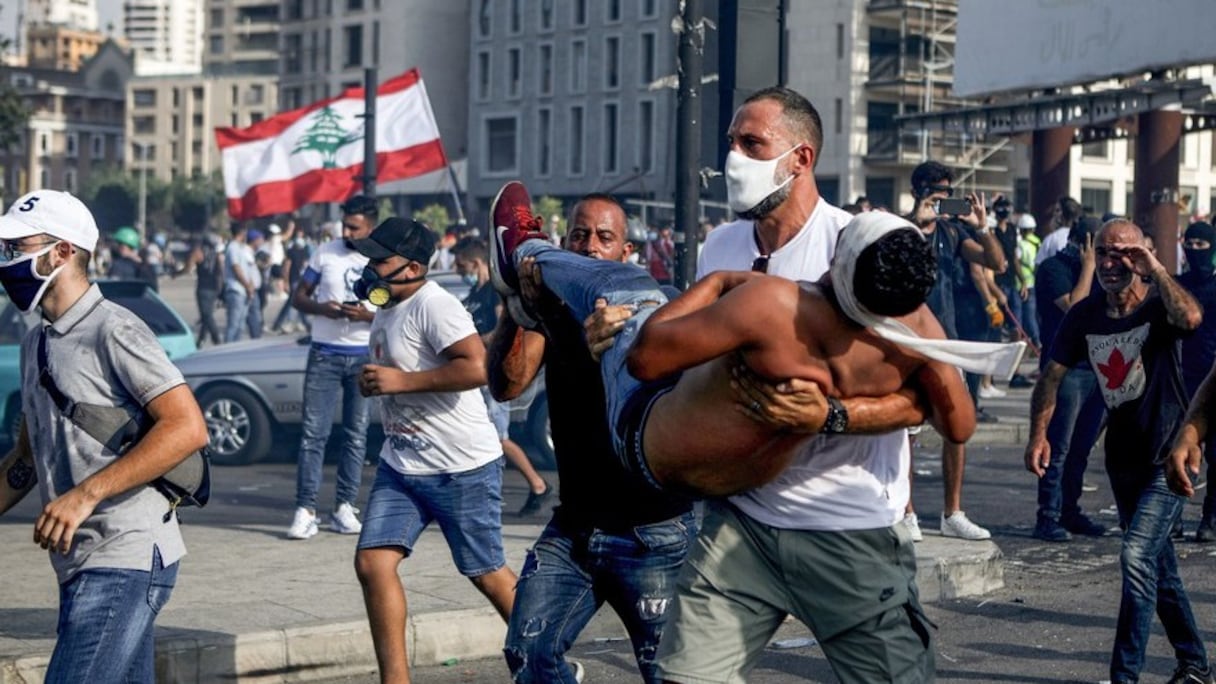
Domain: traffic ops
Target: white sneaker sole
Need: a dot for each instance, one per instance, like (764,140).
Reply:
(307,534)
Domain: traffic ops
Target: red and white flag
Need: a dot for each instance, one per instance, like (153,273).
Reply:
(315,153)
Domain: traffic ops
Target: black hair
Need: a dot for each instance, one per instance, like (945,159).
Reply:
(800,115)
(930,173)
(1070,210)
(471,248)
(360,204)
(895,274)
(1086,225)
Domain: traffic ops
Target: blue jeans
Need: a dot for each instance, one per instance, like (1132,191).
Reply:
(254,318)
(1147,511)
(1030,318)
(1072,432)
(569,574)
(236,304)
(105,624)
(579,281)
(325,376)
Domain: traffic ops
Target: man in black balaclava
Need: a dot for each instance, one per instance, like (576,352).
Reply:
(1199,350)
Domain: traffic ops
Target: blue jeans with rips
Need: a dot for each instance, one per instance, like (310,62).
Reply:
(325,376)
(1072,433)
(236,305)
(106,617)
(569,574)
(579,281)
(1147,511)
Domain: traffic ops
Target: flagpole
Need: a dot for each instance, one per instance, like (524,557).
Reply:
(369,132)
(456,196)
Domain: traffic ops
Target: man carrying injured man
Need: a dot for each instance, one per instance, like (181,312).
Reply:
(862,331)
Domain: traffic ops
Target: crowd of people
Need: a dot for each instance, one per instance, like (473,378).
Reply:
(779,389)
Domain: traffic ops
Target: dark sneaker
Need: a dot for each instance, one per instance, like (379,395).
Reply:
(1205,532)
(982,416)
(512,222)
(1020,381)
(1084,526)
(533,505)
(1052,531)
(1190,674)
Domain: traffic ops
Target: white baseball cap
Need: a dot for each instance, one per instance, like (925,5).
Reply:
(53,213)
(275,229)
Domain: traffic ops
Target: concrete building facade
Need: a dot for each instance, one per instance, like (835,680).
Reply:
(75,125)
(77,14)
(166,34)
(59,46)
(241,37)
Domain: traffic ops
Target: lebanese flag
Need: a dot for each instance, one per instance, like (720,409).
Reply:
(315,153)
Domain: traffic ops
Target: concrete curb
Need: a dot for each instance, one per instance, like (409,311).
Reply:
(1011,433)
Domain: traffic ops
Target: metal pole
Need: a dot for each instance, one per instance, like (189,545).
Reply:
(460,219)
(143,191)
(688,137)
(369,131)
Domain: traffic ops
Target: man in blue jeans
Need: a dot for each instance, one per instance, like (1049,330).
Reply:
(239,283)
(113,541)
(340,332)
(1132,339)
(612,539)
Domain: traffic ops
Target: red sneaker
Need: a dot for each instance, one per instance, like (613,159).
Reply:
(513,223)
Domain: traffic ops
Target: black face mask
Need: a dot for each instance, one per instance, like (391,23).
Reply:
(1200,260)
(375,288)
(1001,214)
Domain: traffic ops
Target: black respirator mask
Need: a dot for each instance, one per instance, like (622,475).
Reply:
(375,288)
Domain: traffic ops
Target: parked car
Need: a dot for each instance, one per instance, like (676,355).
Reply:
(252,392)
(170,329)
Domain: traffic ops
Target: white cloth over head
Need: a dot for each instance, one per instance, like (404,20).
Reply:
(984,358)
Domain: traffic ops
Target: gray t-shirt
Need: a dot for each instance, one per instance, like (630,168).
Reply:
(101,354)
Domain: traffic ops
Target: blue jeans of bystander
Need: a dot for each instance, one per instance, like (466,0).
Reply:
(325,376)
(1072,432)
(236,306)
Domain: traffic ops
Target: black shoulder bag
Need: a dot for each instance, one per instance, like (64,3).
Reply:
(187,484)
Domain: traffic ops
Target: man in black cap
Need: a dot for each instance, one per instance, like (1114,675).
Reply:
(1199,350)
(441,459)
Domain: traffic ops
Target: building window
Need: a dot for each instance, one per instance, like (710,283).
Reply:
(580,12)
(514,71)
(70,148)
(96,146)
(650,8)
(483,75)
(881,191)
(546,15)
(257,94)
(576,141)
(517,16)
(544,139)
(1095,196)
(216,45)
(839,115)
(829,189)
(44,179)
(612,62)
(353,36)
(646,136)
(143,98)
(1098,149)
(578,67)
(217,16)
(614,10)
(546,70)
(44,143)
(354,5)
(143,124)
(839,41)
(611,117)
(648,58)
(483,17)
(501,145)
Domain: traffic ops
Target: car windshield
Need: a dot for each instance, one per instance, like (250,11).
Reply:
(143,303)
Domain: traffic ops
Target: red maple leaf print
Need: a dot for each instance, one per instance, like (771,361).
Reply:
(1115,369)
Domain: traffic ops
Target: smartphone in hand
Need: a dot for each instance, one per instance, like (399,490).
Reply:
(951,206)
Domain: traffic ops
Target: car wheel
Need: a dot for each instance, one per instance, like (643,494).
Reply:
(540,436)
(238,428)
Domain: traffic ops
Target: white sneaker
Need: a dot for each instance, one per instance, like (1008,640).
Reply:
(991,392)
(345,520)
(911,522)
(957,525)
(303,526)
(579,672)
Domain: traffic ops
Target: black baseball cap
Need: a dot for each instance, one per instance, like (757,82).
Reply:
(398,236)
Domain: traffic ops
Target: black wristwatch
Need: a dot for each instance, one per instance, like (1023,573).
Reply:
(838,418)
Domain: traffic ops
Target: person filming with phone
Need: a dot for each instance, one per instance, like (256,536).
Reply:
(957,231)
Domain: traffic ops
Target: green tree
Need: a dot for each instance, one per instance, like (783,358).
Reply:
(547,207)
(385,210)
(195,201)
(112,194)
(435,216)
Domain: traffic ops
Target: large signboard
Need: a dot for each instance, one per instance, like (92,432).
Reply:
(1005,45)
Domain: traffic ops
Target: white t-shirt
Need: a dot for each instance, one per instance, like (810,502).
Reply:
(837,482)
(432,432)
(335,269)
(1055,241)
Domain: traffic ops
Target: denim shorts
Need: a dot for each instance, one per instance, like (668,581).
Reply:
(467,506)
(500,413)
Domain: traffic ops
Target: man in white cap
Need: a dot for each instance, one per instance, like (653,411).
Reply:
(113,540)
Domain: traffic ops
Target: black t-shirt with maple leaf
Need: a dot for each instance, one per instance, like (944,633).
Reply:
(1138,362)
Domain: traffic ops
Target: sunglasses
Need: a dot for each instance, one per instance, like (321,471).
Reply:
(934,189)
(760,265)
(10,251)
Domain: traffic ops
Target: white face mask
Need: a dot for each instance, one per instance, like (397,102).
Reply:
(750,181)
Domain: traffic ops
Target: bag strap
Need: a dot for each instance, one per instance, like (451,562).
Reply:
(48,381)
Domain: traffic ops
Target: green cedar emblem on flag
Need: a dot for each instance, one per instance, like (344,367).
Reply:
(326,135)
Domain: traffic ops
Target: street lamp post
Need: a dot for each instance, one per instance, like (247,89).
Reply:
(142,209)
